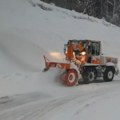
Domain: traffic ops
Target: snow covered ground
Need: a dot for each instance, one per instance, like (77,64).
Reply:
(27,32)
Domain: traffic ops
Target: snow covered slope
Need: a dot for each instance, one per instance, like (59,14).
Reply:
(28,30)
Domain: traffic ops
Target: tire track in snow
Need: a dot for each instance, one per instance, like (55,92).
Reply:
(31,110)
(39,110)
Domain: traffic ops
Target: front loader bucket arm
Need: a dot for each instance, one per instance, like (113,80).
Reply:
(49,64)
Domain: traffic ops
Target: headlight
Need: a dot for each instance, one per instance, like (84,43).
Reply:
(73,54)
(83,53)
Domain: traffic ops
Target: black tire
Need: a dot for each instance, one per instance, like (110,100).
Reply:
(108,75)
(89,75)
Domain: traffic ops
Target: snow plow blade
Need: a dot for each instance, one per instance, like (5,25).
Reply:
(49,64)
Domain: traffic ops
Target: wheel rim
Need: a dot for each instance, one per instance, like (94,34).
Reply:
(91,76)
(110,74)
(71,77)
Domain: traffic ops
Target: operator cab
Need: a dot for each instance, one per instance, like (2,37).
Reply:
(80,48)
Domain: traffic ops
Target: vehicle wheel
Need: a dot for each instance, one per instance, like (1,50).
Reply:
(89,75)
(71,77)
(108,75)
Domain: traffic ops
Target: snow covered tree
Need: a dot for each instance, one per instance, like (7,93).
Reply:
(107,9)
(116,13)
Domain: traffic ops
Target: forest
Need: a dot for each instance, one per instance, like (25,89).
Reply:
(103,9)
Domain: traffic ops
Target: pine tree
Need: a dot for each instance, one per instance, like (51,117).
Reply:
(108,9)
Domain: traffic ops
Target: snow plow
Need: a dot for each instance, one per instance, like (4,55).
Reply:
(84,59)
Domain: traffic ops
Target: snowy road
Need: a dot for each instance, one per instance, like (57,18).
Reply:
(27,32)
(36,106)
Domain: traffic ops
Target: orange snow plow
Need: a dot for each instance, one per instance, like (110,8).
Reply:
(49,64)
(84,57)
